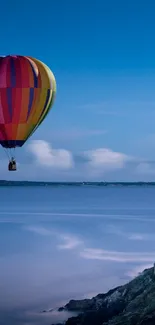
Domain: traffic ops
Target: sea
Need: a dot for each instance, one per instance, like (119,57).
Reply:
(70,241)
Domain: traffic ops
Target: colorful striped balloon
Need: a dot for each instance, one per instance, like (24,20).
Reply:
(27,92)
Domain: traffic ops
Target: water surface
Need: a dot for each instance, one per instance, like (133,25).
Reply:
(58,243)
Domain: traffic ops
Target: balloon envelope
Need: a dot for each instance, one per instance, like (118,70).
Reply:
(27,92)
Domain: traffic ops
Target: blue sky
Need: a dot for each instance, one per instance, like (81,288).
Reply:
(102,54)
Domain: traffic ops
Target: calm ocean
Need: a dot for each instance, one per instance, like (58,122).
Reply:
(60,243)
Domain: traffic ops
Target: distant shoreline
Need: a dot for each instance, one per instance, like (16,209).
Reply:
(58,184)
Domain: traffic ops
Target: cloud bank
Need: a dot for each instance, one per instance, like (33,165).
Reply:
(106,158)
(40,161)
(45,156)
(71,242)
(85,165)
(68,242)
(136,236)
(116,256)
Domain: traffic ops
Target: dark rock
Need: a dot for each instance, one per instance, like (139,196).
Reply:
(61,309)
(130,304)
(80,305)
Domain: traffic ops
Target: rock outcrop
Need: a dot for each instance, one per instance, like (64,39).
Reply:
(130,304)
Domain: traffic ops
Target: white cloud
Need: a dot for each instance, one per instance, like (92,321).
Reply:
(95,162)
(48,157)
(115,256)
(39,230)
(111,229)
(88,165)
(70,242)
(136,236)
(106,158)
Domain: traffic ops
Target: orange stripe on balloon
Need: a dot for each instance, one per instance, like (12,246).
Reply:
(23,130)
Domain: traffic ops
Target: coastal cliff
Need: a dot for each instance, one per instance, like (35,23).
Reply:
(130,304)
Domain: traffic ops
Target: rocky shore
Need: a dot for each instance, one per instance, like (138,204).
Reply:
(130,304)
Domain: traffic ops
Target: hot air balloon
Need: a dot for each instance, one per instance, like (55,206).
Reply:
(27,93)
